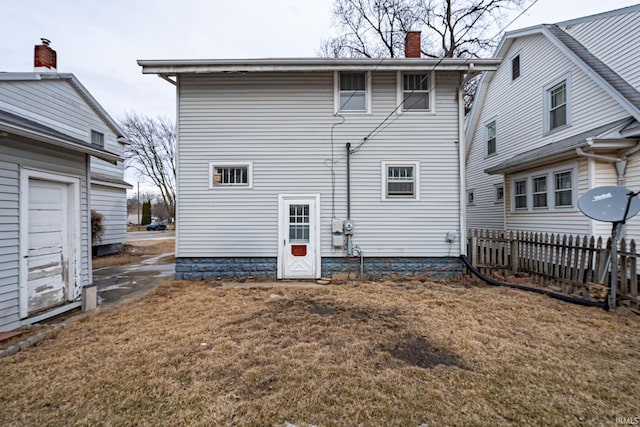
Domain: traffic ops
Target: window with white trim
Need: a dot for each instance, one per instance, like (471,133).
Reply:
(416,92)
(498,193)
(352,92)
(557,104)
(520,193)
(515,67)
(563,188)
(540,191)
(97,138)
(400,180)
(492,147)
(550,189)
(231,174)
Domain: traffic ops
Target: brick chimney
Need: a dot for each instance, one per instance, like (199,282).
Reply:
(44,58)
(412,45)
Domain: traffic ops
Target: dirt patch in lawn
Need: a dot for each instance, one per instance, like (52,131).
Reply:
(134,252)
(370,354)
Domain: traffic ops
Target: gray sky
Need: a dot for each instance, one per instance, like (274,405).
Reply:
(100,41)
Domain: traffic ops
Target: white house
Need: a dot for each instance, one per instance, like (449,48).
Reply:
(59,100)
(52,133)
(560,116)
(267,186)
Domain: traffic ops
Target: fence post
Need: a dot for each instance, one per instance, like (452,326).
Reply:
(474,248)
(515,261)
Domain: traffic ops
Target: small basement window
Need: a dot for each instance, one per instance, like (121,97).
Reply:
(231,175)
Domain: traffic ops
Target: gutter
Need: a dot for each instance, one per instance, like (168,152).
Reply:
(59,142)
(471,73)
(619,162)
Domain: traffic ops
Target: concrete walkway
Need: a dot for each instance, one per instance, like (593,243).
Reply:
(120,283)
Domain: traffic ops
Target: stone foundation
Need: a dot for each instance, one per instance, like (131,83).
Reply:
(266,267)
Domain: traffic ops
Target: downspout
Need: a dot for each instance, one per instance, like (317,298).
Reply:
(462,241)
(620,164)
(348,235)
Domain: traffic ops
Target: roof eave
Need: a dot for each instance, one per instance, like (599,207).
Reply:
(59,142)
(175,67)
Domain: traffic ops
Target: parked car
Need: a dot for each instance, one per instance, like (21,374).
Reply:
(157,225)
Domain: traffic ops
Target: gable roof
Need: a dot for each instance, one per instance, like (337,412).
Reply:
(611,82)
(14,124)
(75,83)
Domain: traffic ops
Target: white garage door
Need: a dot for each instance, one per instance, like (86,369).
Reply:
(48,244)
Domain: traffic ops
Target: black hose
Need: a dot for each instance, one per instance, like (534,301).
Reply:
(561,297)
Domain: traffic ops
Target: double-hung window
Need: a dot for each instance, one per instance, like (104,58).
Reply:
(491,139)
(563,191)
(520,193)
(547,190)
(415,92)
(352,92)
(557,104)
(225,174)
(540,191)
(400,180)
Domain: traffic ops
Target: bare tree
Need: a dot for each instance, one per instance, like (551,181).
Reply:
(450,28)
(151,151)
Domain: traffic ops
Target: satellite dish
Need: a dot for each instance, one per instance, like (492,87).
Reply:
(609,203)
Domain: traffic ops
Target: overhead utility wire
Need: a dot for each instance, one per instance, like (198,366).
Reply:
(380,125)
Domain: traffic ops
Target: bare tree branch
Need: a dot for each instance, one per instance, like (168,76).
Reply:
(151,152)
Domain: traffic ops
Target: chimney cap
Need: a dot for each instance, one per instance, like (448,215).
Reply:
(45,42)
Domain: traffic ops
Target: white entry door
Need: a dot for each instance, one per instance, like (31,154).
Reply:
(48,244)
(299,246)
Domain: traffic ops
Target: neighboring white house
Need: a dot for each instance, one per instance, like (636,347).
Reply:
(49,127)
(559,116)
(60,101)
(262,165)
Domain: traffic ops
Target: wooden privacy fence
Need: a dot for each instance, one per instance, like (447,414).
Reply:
(572,265)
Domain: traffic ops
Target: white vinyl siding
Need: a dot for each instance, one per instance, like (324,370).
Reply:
(519,106)
(112,204)
(614,40)
(283,122)
(38,157)
(9,244)
(56,104)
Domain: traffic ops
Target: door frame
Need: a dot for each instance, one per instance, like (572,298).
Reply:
(314,228)
(73,227)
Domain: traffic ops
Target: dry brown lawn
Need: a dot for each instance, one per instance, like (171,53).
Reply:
(375,354)
(134,252)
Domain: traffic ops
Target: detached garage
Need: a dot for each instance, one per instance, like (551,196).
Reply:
(45,235)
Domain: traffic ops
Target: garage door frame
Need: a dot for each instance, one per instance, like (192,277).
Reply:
(74,218)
